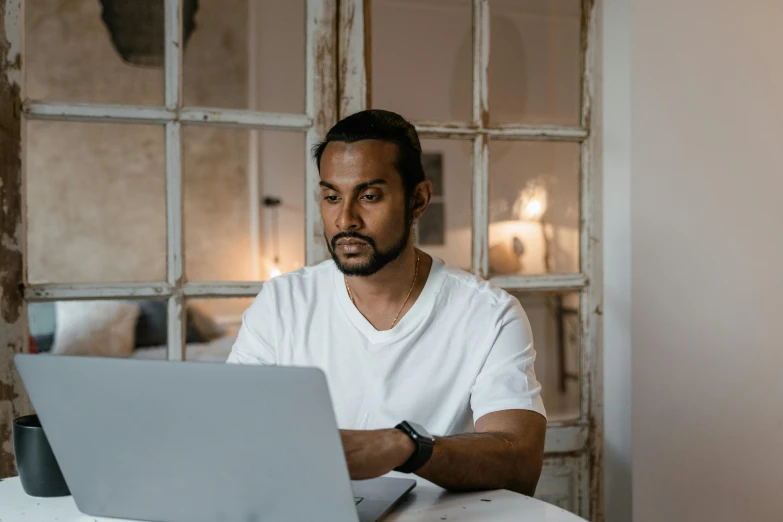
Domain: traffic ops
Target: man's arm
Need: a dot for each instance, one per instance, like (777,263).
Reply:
(506,452)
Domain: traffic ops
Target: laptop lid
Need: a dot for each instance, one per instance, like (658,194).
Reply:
(188,441)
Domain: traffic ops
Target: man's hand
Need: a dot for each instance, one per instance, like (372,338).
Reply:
(372,453)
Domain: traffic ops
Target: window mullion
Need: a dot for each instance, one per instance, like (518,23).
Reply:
(321,106)
(355,55)
(480,163)
(174,210)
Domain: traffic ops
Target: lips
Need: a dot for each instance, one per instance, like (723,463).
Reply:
(351,246)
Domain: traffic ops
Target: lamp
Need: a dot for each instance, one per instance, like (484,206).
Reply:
(272,203)
(531,203)
(137,28)
(523,233)
(530,206)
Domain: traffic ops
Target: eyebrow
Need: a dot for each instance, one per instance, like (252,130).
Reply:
(357,188)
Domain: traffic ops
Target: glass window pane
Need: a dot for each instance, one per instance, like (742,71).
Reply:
(422,59)
(247,54)
(96,202)
(554,319)
(533,207)
(445,228)
(218,324)
(534,66)
(77,51)
(220,235)
(134,328)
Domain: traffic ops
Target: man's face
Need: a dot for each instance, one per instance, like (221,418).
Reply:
(363,205)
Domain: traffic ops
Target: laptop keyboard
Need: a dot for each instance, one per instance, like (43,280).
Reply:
(356,500)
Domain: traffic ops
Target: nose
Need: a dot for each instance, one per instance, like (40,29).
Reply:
(348,218)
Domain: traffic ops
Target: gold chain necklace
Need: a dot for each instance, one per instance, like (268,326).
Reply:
(415,274)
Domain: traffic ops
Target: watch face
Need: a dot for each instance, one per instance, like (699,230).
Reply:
(420,431)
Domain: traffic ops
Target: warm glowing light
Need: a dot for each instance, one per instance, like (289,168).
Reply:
(532,201)
(273,268)
(533,210)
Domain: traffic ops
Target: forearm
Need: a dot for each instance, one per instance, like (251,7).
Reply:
(484,461)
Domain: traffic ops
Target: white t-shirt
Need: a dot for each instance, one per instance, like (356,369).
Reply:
(464,349)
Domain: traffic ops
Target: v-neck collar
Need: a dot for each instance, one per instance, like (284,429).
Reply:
(418,312)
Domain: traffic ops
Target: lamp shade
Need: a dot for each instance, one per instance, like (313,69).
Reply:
(137,28)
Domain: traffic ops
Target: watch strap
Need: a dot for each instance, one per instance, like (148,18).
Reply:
(422,453)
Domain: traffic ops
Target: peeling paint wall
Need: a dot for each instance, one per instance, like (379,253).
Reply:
(96,192)
(13,400)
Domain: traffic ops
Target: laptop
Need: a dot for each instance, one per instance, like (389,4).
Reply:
(199,442)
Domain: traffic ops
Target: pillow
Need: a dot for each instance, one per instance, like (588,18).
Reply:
(203,325)
(96,328)
(152,328)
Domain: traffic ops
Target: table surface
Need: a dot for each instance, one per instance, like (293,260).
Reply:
(426,502)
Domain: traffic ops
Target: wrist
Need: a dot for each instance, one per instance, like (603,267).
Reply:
(403,446)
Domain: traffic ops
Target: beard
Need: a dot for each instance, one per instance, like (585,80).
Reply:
(378,258)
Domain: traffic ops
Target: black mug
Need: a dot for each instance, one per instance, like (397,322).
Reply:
(38,469)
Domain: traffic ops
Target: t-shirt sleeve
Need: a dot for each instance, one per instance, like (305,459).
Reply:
(507,380)
(255,339)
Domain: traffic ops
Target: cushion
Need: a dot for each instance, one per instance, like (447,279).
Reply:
(95,328)
(151,329)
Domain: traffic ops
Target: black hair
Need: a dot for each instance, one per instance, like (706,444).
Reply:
(376,124)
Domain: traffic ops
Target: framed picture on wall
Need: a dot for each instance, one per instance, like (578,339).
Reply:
(431,229)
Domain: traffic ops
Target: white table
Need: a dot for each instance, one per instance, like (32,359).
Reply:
(427,502)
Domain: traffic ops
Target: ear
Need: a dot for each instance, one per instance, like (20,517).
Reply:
(420,199)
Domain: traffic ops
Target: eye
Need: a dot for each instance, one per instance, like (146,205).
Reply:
(371,197)
(332,198)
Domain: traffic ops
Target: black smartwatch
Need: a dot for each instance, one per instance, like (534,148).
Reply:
(424,443)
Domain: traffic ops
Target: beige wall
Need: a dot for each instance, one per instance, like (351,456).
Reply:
(95,192)
(707,205)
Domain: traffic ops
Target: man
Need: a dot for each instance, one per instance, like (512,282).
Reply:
(399,335)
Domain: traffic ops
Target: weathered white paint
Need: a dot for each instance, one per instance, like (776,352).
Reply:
(150,115)
(354,57)
(533,132)
(176,328)
(480,62)
(245,118)
(253,181)
(480,165)
(591,376)
(13,314)
(321,106)
(175,247)
(566,439)
(560,482)
(36,110)
(480,257)
(63,292)
(446,130)
(13,23)
(174,209)
(152,290)
(223,289)
(501,132)
(560,282)
(173,54)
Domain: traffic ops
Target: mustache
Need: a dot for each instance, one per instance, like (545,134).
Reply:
(351,235)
